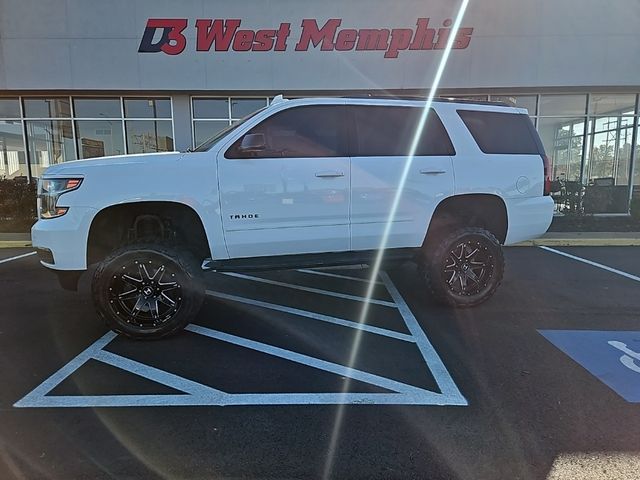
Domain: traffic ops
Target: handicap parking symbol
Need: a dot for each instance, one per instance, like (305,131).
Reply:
(611,356)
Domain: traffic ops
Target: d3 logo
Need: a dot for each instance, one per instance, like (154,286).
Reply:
(172,41)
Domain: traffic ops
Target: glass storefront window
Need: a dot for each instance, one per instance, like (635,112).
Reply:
(241,107)
(562,105)
(563,140)
(147,107)
(12,155)
(602,104)
(204,129)
(54,107)
(211,108)
(211,115)
(10,108)
(607,163)
(97,108)
(148,136)
(99,138)
(520,101)
(610,150)
(49,142)
(636,169)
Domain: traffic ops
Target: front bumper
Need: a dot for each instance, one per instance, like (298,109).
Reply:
(65,238)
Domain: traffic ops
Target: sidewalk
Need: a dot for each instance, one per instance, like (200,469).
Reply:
(15,240)
(585,239)
(551,239)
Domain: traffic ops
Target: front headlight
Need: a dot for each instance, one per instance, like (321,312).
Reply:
(49,190)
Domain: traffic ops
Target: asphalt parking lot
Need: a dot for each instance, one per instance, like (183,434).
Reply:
(276,378)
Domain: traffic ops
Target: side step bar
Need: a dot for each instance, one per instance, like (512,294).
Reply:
(309,260)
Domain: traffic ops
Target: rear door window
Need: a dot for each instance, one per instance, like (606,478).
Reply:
(300,132)
(390,131)
(501,133)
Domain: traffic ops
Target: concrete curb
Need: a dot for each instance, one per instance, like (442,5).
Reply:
(580,242)
(14,244)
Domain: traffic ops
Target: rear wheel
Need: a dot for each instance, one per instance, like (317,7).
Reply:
(465,268)
(147,291)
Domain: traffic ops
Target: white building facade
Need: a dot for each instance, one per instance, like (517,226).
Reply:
(81,79)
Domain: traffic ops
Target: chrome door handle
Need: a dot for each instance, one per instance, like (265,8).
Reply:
(329,174)
(432,172)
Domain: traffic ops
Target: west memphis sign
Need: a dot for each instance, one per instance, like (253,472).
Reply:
(222,35)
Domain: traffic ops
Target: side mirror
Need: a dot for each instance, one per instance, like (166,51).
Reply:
(252,142)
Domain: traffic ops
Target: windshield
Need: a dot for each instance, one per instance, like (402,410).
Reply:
(211,141)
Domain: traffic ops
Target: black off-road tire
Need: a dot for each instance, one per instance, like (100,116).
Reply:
(129,269)
(436,260)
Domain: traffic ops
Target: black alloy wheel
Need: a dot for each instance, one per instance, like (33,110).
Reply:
(469,267)
(145,294)
(465,268)
(147,291)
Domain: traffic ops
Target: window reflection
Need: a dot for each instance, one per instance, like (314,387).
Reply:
(54,107)
(147,107)
(610,150)
(211,108)
(566,105)
(603,104)
(99,138)
(204,129)
(49,142)
(97,108)
(241,107)
(9,108)
(12,155)
(148,136)
(563,140)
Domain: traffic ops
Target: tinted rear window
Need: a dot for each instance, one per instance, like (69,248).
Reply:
(389,131)
(501,133)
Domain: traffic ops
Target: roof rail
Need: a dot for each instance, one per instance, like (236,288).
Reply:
(472,102)
(423,99)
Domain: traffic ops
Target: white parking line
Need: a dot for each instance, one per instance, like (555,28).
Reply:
(440,373)
(197,394)
(331,367)
(156,375)
(313,315)
(17,257)
(58,377)
(593,264)
(308,289)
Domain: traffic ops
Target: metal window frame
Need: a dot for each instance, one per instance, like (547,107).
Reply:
(153,119)
(634,148)
(73,118)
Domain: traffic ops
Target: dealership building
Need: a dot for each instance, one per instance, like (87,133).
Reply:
(82,79)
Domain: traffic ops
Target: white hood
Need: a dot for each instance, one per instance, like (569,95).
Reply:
(79,167)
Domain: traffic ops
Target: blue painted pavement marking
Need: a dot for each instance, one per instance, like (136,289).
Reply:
(611,356)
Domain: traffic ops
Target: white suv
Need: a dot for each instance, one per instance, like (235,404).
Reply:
(301,183)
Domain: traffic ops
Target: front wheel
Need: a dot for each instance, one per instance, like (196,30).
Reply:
(147,291)
(465,268)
